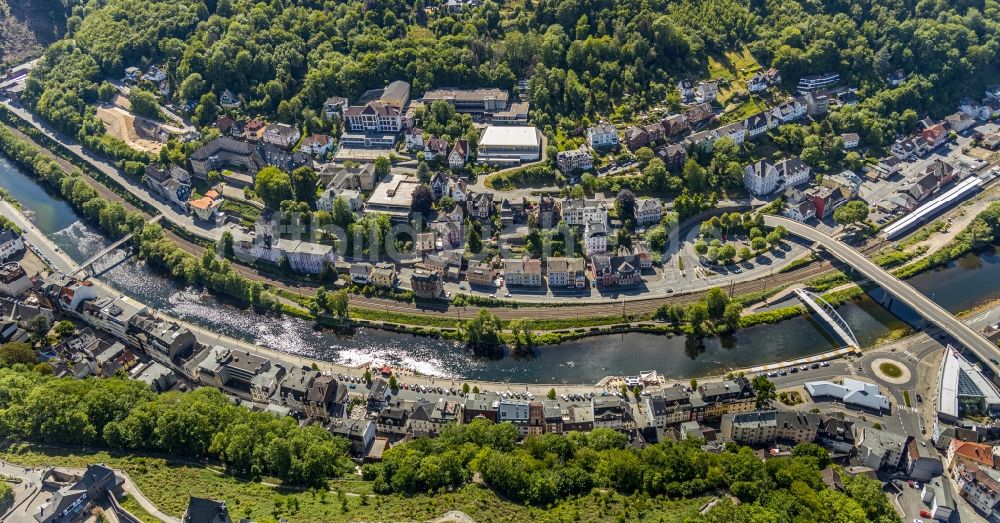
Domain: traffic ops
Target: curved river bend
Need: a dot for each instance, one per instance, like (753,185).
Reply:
(961,285)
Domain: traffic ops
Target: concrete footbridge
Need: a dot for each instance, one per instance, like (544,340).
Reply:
(830,317)
(88,265)
(985,350)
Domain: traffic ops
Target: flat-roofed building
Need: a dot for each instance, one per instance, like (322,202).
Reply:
(509,145)
(963,389)
(578,418)
(307,257)
(114,315)
(490,100)
(516,114)
(808,84)
(393,196)
(13,279)
(515,412)
(225,367)
(480,273)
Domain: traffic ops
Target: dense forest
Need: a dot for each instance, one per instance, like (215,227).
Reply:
(549,468)
(125,414)
(584,58)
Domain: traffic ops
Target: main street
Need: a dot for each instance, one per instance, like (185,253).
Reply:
(916,352)
(596,304)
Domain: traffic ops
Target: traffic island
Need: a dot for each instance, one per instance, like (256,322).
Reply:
(890,371)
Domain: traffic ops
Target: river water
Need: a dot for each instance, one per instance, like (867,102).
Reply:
(960,285)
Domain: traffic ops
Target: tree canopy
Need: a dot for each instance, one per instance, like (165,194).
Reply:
(273,186)
(851,212)
(548,468)
(583,57)
(125,414)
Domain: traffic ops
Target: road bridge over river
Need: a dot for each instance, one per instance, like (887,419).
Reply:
(985,350)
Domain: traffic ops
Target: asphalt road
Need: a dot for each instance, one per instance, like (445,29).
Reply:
(931,311)
(109,170)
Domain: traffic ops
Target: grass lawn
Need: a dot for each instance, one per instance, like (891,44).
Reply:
(893,371)
(131,505)
(742,60)
(169,485)
(731,63)
(749,107)
(906,397)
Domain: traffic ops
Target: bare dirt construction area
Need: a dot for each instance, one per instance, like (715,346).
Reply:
(26,27)
(122,125)
(139,132)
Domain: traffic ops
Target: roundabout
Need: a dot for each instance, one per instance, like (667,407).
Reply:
(890,371)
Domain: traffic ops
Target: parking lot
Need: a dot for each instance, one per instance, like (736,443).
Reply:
(958,152)
(794,369)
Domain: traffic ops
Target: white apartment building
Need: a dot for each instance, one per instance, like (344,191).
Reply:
(595,235)
(375,117)
(602,136)
(581,211)
(648,211)
(10,244)
(762,178)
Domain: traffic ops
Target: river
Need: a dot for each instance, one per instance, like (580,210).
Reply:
(960,285)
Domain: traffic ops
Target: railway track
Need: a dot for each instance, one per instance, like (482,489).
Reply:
(633,307)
